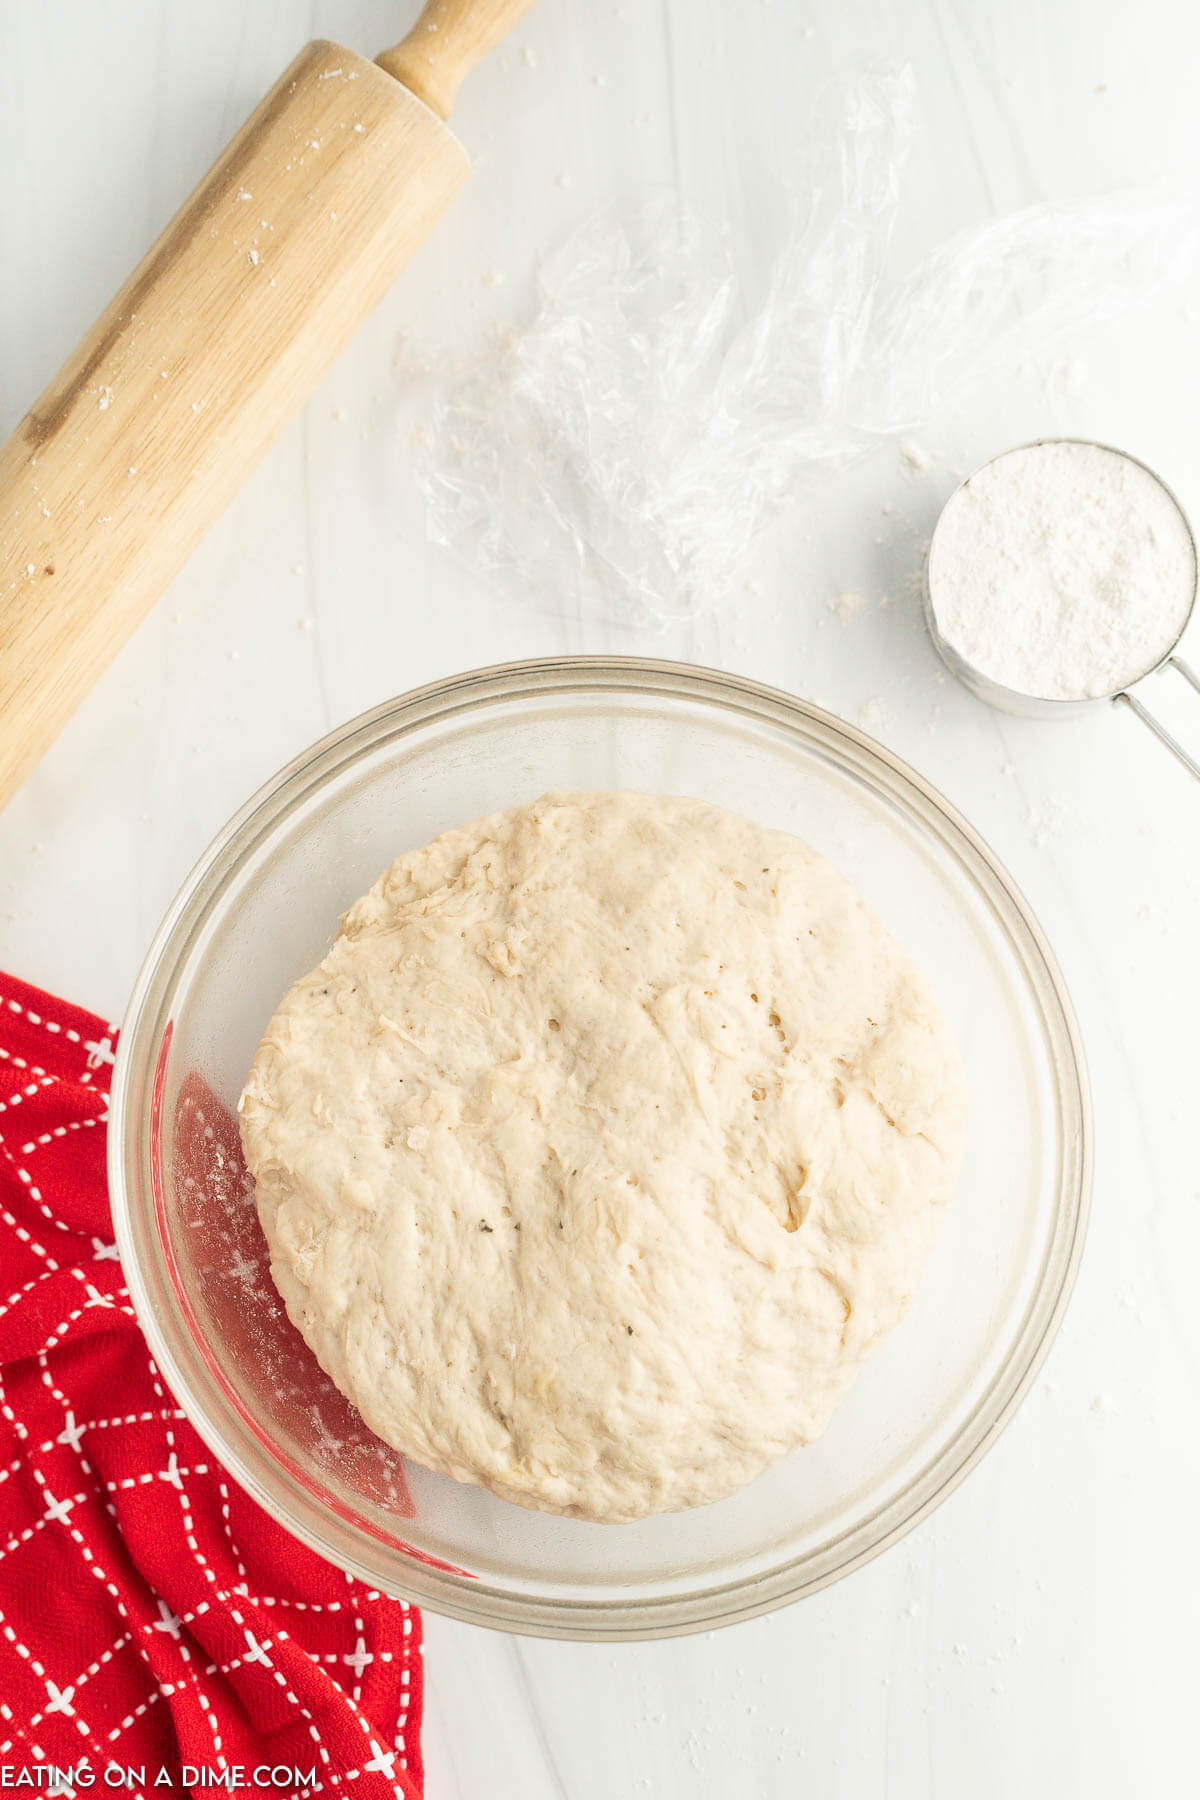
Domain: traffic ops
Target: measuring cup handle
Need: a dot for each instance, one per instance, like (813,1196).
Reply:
(1160,731)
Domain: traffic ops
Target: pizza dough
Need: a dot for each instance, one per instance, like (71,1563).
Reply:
(608,1139)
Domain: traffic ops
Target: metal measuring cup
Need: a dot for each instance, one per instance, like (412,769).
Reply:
(1011,700)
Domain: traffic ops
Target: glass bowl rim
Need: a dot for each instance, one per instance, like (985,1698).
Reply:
(145,1258)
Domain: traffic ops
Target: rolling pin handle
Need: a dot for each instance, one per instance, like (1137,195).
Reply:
(444,45)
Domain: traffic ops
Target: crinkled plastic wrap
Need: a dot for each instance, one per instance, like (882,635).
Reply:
(1033,283)
(630,443)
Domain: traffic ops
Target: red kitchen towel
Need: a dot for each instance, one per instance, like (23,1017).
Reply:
(152,1617)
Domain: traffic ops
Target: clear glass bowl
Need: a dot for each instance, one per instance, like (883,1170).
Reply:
(261,907)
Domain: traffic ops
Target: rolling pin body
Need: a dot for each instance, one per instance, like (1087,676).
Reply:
(143,437)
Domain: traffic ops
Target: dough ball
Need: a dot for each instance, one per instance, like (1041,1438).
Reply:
(608,1139)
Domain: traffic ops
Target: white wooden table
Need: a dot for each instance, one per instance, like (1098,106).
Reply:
(1036,1637)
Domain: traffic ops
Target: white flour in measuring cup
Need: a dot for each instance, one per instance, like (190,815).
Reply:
(1062,570)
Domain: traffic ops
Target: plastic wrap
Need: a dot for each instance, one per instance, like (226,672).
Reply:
(1034,283)
(628,445)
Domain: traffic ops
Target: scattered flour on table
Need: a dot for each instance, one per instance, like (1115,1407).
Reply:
(916,457)
(1062,570)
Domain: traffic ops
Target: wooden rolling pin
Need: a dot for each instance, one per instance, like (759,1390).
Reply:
(144,435)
